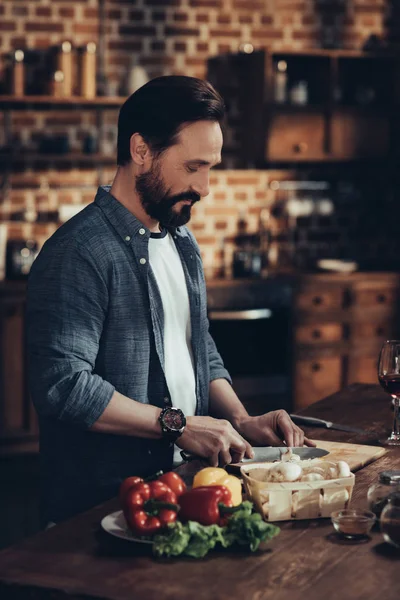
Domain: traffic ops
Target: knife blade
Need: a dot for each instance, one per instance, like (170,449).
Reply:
(314,422)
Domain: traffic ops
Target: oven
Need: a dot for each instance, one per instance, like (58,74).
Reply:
(251,326)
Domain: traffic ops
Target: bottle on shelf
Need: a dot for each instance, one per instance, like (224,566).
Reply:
(280,82)
(88,71)
(65,63)
(18,73)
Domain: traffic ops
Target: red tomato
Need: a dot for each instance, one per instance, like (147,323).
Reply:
(174,482)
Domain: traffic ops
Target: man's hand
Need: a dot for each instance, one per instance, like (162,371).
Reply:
(214,439)
(272,429)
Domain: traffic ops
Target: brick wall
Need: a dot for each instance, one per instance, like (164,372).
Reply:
(165,37)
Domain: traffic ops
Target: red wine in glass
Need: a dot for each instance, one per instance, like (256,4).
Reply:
(389,378)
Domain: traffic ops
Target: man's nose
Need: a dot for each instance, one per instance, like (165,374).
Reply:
(202,185)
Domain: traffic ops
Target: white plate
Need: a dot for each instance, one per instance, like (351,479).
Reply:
(115,524)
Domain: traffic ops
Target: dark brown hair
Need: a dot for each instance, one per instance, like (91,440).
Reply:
(160,109)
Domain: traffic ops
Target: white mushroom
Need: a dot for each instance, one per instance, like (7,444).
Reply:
(312,477)
(285,471)
(343,469)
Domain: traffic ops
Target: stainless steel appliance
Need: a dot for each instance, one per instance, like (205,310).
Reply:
(251,325)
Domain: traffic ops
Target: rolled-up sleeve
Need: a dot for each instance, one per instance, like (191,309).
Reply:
(66,309)
(217,369)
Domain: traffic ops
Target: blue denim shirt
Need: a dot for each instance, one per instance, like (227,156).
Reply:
(95,325)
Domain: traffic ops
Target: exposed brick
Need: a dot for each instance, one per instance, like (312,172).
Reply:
(163,2)
(171,31)
(18,42)
(207,3)
(202,47)
(158,15)
(91,13)
(42,42)
(180,46)
(7,26)
(309,20)
(220,211)
(67,118)
(267,34)
(224,19)
(23,119)
(196,62)
(240,196)
(136,15)
(246,19)
(181,17)
(304,35)
(206,239)
(134,46)
(222,48)
(87,28)
(369,8)
(114,13)
(158,46)
(43,11)
(67,12)
(233,33)
(137,30)
(69,1)
(19,11)
(50,27)
(219,196)
(201,18)
(248,4)
(157,60)
(267,20)
(242,180)
(197,226)
(221,225)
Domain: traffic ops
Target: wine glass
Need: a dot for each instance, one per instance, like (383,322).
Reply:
(389,378)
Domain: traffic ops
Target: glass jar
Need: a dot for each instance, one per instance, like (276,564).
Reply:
(388,482)
(390,520)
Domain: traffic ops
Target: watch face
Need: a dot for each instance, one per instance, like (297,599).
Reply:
(173,419)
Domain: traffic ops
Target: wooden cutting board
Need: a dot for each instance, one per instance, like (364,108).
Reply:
(356,455)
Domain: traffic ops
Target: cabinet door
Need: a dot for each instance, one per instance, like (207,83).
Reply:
(17,416)
(315,379)
(359,135)
(363,369)
(296,137)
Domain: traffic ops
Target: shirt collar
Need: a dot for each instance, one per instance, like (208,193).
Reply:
(123,221)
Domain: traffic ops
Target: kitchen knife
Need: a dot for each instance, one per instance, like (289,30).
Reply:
(269,454)
(313,422)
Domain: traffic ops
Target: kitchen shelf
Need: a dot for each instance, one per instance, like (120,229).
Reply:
(50,102)
(27,158)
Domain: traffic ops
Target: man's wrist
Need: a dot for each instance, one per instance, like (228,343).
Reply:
(239,418)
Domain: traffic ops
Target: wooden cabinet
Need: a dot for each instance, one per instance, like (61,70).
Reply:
(291,138)
(315,105)
(18,423)
(340,323)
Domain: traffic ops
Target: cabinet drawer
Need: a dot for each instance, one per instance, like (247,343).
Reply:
(379,297)
(375,331)
(293,138)
(319,300)
(359,136)
(315,379)
(319,334)
(363,369)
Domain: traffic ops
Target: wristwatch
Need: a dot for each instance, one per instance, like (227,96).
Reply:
(173,422)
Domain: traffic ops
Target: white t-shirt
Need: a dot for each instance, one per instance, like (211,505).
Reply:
(178,356)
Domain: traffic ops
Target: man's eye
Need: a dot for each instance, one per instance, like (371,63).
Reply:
(191,169)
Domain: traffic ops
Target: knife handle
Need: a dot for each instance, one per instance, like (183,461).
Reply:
(312,421)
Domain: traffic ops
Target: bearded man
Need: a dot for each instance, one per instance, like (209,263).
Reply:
(123,371)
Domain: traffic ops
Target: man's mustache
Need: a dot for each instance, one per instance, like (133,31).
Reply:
(193,196)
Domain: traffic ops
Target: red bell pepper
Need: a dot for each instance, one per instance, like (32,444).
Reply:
(174,482)
(207,505)
(149,507)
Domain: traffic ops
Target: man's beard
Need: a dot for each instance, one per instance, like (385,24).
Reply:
(158,203)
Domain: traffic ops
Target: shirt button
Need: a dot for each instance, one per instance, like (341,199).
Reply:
(191,256)
(166,400)
(127,238)
(149,452)
(142,261)
(142,231)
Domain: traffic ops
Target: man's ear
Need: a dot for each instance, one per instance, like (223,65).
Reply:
(139,149)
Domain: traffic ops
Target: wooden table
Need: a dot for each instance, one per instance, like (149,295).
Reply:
(77,560)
